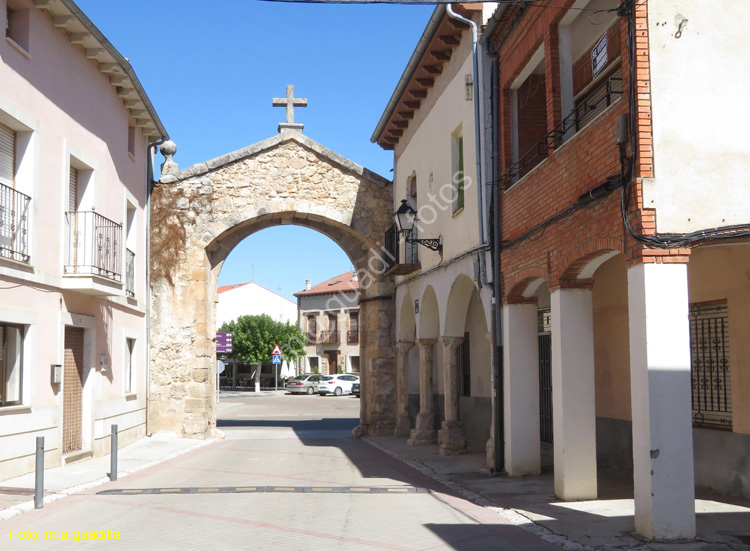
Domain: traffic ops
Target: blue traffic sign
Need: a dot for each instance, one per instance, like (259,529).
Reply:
(276,359)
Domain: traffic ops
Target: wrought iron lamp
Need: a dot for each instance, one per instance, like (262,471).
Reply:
(404,218)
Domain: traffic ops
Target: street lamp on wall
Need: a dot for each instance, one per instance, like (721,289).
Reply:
(404,218)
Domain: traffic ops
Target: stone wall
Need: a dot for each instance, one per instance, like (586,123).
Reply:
(201,213)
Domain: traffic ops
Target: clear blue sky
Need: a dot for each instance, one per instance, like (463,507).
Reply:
(212,68)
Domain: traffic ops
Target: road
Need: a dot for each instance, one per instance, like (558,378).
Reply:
(288,475)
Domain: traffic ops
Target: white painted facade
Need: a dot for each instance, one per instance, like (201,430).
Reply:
(252,299)
(698,53)
(64,112)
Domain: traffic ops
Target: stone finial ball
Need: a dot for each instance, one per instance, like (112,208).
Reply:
(168,148)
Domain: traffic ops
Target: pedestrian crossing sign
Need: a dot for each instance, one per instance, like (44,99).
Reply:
(276,359)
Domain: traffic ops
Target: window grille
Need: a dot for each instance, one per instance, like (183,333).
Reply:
(709,365)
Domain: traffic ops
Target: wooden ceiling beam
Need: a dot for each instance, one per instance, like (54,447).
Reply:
(426,82)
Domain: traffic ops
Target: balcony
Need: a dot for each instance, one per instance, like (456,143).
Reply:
(92,260)
(584,112)
(329,337)
(129,273)
(393,242)
(14,225)
(352,336)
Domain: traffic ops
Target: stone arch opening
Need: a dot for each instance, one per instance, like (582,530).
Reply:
(203,212)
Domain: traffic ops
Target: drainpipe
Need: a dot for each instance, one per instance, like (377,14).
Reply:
(498,432)
(497,318)
(150,152)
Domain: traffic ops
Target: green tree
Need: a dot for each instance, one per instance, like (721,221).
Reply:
(253,338)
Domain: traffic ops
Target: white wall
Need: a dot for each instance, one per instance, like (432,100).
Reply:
(252,299)
(699,89)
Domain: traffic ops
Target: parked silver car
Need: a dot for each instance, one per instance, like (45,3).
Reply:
(307,383)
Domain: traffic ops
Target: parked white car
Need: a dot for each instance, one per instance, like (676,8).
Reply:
(337,384)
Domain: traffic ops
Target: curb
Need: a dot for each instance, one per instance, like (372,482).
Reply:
(27,506)
(513,516)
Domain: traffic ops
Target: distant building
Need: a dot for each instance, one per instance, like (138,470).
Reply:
(252,299)
(329,315)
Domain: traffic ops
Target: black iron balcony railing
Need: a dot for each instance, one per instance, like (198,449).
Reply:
(129,273)
(585,111)
(312,337)
(352,336)
(14,224)
(93,245)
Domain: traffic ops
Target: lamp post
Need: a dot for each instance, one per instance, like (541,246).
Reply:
(404,218)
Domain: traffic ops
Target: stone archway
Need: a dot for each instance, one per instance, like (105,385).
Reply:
(199,214)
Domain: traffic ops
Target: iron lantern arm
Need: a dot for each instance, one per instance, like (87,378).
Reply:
(404,218)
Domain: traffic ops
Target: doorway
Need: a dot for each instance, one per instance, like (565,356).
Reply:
(73,391)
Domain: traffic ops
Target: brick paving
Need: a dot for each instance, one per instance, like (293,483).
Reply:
(284,443)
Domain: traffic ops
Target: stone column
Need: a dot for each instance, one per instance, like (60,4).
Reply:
(521,389)
(424,431)
(573,394)
(403,422)
(660,398)
(451,437)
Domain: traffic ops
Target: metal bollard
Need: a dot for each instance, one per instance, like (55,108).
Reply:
(39,483)
(113,454)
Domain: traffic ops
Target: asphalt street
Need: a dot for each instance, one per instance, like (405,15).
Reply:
(288,475)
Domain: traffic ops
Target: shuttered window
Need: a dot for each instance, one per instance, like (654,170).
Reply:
(7,155)
(73,189)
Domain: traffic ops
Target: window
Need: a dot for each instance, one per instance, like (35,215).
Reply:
(457,169)
(312,329)
(7,156)
(17,26)
(709,365)
(463,359)
(131,141)
(14,205)
(129,365)
(130,246)
(353,336)
(11,362)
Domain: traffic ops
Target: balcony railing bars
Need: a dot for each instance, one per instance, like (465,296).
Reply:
(584,112)
(391,256)
(14,224)
(129,273)
(411,247)
(352,336)
(93,245)
(329,337)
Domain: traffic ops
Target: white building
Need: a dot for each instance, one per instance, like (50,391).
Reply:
(250,299)
(76,136)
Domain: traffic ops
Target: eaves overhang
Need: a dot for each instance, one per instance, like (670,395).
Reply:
(82,32)
(435,47)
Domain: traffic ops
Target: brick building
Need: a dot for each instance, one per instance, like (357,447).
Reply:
(623,224)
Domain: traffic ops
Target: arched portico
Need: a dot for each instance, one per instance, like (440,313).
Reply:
(201,213)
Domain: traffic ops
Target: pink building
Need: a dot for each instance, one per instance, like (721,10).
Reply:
(76,136)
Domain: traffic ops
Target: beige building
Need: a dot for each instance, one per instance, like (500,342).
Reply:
(329,314)
(443,300)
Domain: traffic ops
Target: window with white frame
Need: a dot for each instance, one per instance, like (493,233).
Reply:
(11,363)
(710,368)
(14,205)
(457,169)
(129,366)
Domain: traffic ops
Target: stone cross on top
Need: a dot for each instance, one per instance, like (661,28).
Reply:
(290,102)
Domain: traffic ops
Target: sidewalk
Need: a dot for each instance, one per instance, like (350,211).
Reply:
(606,523)
(17,494)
